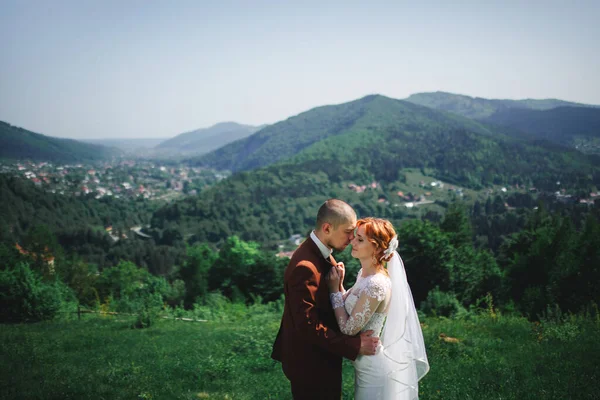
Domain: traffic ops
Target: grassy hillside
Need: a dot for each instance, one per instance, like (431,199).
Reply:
(227,357)
(18,143)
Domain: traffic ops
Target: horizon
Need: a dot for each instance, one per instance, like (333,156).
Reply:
(290,116)
(148,70)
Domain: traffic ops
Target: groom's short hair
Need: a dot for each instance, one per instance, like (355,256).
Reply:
(335,212)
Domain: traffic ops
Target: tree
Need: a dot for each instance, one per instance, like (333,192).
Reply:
(543,264)
(456,223)
(579,287)
(81,278)
(265,278)
(42,248)
(474,274)
(121,280)
(26,297)
(195,272)
(498,205)
(477,208)
(428,257)
(231,271)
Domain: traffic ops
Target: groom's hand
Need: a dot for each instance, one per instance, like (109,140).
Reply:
(368,343)
(341,269)
(333,280)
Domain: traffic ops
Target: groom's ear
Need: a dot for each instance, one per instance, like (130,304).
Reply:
(327,228)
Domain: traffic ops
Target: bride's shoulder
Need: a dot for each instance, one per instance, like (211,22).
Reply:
(382,280)
(378,285)
(381,277)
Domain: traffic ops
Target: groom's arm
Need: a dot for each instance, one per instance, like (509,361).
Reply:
(303,286)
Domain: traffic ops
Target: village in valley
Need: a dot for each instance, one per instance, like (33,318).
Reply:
(132,179)
(119,179)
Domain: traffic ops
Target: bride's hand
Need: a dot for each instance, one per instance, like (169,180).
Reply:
(333,280)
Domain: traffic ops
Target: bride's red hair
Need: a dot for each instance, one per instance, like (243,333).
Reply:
(379,231)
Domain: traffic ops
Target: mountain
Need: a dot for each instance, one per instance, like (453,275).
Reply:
(285,171)
(131,144)
(577,127)
(569,124)
(204,140)
(479,108)
(18,143)
(287,138)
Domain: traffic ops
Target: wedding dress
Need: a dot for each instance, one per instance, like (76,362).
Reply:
(384,305)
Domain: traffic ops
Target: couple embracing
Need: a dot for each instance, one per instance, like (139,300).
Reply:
(374,323)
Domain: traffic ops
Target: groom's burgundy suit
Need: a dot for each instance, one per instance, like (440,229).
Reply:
(309,343)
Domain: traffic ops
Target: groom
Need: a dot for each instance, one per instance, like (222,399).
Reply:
(309,343)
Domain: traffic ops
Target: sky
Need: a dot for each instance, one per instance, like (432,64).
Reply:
(154,69)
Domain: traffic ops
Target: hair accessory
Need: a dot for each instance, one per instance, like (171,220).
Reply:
(392,246)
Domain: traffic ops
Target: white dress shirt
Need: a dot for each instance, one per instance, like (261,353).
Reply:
(325,251)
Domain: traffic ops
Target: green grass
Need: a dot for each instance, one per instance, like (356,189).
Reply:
(511,358)
(106,359)
(103,358)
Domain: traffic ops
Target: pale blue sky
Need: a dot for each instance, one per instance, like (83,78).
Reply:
(106,69)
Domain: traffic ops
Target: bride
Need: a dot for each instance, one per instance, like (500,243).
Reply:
(379,292)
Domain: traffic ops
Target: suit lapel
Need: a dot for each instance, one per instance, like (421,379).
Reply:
(327,263)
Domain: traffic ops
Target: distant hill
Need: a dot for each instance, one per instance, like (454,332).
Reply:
(577,127)
(479,108)
(568,124)
(204,140)
(131,144)
(287,138)
(287,169)
(18,143)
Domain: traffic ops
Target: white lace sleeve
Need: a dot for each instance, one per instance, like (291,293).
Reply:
(337,300)
(367,303)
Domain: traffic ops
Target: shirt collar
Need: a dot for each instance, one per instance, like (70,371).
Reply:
(325,251)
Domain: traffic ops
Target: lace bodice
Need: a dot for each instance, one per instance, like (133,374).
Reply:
(375,323)
(365,304)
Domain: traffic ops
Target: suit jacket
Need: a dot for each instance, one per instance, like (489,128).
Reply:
(309,343)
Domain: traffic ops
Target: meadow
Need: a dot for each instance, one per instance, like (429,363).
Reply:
(102,357)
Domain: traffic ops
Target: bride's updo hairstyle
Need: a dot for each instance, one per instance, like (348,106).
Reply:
(379,232)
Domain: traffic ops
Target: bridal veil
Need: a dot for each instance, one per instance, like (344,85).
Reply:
(402,339)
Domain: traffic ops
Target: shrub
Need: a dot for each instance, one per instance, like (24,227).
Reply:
(556,325)
(146,308)
(440,303)
(25,296)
